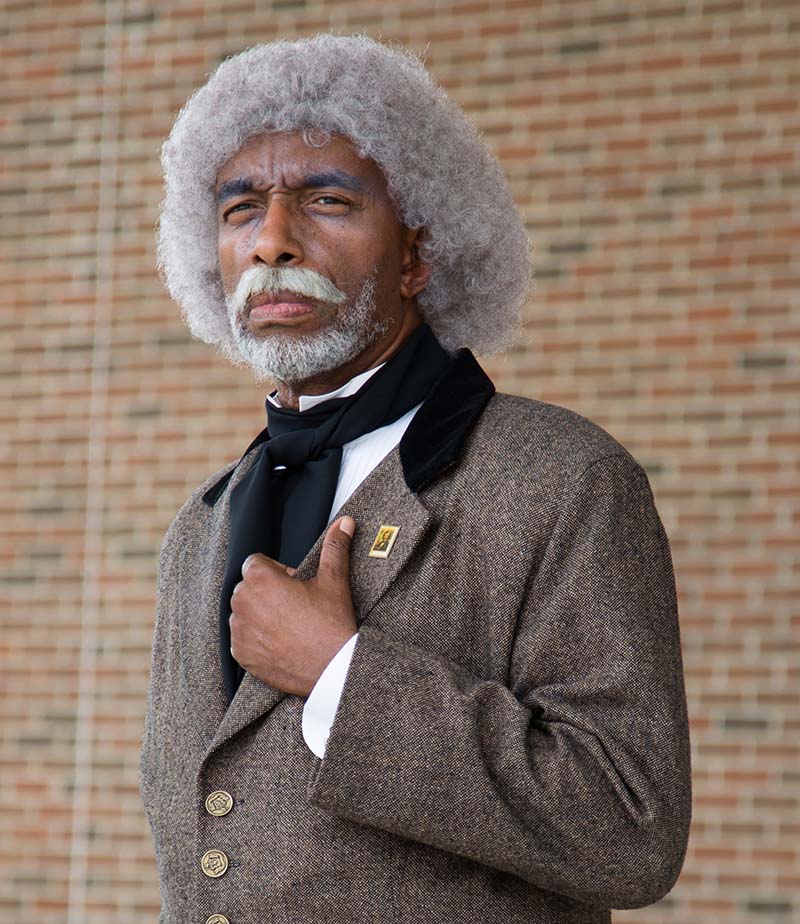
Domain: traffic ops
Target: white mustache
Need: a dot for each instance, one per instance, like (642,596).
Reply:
(271,280)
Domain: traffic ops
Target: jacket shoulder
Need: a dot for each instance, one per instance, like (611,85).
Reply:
(191,512)
(540,437)
(526,462)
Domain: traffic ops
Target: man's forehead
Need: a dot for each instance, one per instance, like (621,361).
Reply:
(287,156)
(246,183)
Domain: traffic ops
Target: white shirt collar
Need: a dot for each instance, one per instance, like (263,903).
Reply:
(349,388)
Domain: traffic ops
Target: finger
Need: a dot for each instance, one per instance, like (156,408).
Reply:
(249,561)
(334,560)
(264,559)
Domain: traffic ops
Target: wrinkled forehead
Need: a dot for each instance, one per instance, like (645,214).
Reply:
(293,156)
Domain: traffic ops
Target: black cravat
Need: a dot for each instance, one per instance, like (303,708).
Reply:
(281,511)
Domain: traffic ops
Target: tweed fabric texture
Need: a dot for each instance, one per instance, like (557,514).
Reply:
(511,744)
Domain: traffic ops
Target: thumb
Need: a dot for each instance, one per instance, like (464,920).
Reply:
(334,559)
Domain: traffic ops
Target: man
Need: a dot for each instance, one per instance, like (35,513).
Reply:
(416,654)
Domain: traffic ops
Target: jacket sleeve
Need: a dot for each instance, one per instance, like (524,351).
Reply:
(575,775)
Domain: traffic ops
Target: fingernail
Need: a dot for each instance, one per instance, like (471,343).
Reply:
(348,525)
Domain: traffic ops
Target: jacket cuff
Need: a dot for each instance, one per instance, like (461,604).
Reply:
(374,724)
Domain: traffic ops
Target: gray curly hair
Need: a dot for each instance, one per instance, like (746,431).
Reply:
(439,174)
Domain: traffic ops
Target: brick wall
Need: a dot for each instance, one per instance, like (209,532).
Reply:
(653,147)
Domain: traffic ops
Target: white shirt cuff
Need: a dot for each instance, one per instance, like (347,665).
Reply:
(323,700)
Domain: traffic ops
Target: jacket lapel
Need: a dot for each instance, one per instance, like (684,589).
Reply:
(388,496)
(382,499)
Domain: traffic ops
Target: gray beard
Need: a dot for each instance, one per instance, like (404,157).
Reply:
(295,359)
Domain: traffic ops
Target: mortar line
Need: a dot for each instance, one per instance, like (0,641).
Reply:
(97,440)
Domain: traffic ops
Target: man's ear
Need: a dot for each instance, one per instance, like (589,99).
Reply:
(414,273)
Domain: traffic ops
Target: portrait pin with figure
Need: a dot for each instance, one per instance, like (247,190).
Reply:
(384,541)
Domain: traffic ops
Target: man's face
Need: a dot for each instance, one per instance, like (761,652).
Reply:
(314,261)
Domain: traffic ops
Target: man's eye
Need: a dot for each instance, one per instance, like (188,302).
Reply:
(241,205)
(330,200)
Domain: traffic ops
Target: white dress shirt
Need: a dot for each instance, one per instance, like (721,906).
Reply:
(359,458)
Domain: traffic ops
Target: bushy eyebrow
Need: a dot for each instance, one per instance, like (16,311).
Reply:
(243,184)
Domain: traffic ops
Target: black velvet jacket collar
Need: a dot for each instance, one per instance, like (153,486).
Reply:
(433,440)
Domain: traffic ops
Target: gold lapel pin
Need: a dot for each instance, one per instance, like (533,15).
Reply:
(384,541)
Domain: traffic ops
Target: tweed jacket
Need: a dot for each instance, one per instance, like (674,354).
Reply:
(511,744)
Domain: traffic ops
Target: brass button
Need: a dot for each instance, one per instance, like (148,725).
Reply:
(219,802)
(218,919)
(214,863)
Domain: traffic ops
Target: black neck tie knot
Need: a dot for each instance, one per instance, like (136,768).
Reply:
(297,437)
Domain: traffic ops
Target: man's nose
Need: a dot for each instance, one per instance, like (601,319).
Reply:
(277,243)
